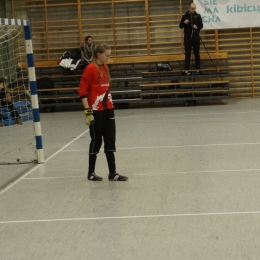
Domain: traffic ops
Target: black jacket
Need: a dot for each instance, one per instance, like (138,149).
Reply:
(194,19)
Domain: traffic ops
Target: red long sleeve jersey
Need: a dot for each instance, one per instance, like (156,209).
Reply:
(94,85)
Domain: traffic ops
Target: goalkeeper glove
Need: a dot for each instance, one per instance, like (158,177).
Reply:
(89,116)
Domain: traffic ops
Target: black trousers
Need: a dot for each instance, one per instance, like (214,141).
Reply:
(104,128)
(189,44)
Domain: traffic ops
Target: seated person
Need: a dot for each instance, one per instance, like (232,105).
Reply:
(86,51)
(6,101)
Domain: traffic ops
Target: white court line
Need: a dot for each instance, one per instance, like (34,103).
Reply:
(209,171)
(63,177)
(183,146)
(171,146)
(132,217)
(148,174)
(40,165)
(192,114)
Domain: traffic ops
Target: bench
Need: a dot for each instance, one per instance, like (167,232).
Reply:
(186,84)
(63,96)
(187,90)
(191,90)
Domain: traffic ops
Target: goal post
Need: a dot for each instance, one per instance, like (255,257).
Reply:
(28,81)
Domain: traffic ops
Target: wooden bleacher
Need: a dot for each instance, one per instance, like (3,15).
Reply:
(135,79)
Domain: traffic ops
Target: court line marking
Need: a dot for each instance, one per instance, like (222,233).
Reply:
(191,114)
(209,171)
(133,217)
(40,165)
(63,177)
(148,174)
(172,146)
(189,122)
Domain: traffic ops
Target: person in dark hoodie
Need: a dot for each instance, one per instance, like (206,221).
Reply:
(192,23)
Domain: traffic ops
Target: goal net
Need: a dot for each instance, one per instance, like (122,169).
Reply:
(20,129)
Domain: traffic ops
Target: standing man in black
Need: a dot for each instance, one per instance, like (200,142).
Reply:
(192,24)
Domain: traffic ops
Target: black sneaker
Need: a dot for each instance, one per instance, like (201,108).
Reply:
(116,177)
(187,73)
(198,72)
(94,177)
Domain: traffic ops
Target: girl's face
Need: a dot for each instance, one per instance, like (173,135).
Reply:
(103,57)
(89,41)
(1,85)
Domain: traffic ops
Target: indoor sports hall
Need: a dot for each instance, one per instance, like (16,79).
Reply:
(184,79)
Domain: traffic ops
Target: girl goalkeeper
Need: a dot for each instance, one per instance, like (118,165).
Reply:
(98,108)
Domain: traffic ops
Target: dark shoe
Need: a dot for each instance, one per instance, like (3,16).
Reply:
(1,125)
(19,121)
(187,73)
(116,177)
(198,72)
(94,177)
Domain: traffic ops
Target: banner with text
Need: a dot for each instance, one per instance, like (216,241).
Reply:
(220,14)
